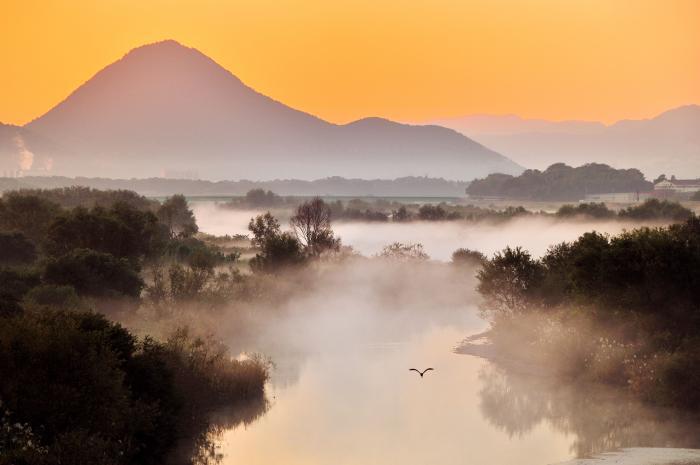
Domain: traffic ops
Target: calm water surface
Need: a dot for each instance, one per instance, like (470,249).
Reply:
(342,393)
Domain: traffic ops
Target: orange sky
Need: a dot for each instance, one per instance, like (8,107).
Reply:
(405,60)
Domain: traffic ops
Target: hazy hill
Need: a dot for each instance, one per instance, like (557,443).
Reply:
(167,109)
(668,143)
(560,182)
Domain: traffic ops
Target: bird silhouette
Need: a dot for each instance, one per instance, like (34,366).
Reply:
(421,373)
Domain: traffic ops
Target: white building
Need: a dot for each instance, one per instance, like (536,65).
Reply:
(678,185)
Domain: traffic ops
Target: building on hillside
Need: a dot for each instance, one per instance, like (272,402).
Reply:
(678,186)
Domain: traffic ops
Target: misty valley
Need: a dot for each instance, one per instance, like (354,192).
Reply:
(262,329)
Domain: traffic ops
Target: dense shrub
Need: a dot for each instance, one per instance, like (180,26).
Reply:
(80,196)
(176,215)
(399,251)
(638,288)
(91,393)
(122,231)
(655,209)
(94,273)
(27,214)
(16,249)
(467,257)
(587,210)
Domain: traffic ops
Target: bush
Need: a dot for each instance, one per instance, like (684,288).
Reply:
(655,209)
(27,214)
(510,282)
(404,252)
(95,274)
(467,257)
(53,297)
(175,213)
(79,389)
(279,252)
(122,231)
(16,249)
(587,210)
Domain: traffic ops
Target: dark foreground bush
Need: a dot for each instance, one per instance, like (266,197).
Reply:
(81,390)
(94,273)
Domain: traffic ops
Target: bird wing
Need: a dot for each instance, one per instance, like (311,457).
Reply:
(427,369)
(413,369)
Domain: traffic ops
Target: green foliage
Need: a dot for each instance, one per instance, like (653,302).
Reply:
(80,196)
(560,182)
(82,390)
(177,216)
(14,284)
(51,296)
(278,252)
(510,282)
(468,257)
(94,273)
(695,196)
(197,253)
(263,228)
(27,214)
(586,210)
(16,249)
(401,214)
(639,288)
(429,212)
(404,252)
(655,209)
(262,198)
(122,231)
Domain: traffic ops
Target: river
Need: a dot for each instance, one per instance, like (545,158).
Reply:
(341,391)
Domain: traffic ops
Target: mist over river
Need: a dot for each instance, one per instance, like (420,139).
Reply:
(341,391)
(439,239)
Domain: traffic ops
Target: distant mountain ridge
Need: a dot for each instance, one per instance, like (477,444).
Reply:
(668,143)
(168,108)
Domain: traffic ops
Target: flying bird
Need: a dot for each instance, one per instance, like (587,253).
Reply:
(421,373)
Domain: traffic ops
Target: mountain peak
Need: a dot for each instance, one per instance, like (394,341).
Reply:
(165,107)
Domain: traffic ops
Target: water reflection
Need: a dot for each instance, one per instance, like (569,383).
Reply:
(599,419)
(200,446)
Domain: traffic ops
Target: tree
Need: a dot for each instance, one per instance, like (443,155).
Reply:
(27,214)
(509,282)
(655,209)
(591,210)
(659,179)
(122,231)
(279,252)
(263,227)
(312,226)
(429,212)
(404,252)
(262,198)
(401,215)
(467,257)
(177,216)
(16,249)
(94,273)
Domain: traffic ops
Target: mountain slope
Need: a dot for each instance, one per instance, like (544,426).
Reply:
(668,143)
(165,108)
